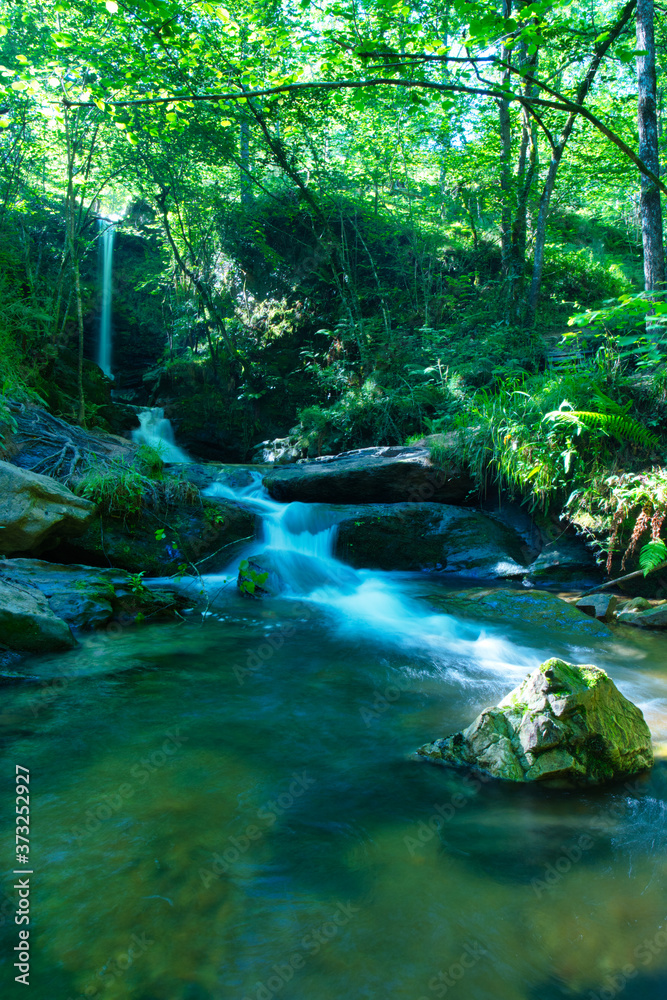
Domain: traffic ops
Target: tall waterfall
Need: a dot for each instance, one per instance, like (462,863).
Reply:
(106,261)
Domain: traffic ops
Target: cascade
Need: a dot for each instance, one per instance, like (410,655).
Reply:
(155,430)
(298,540)
(106,229)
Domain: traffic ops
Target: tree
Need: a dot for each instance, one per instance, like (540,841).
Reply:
(650,205)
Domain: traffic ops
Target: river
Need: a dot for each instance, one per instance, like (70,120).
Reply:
(229,808)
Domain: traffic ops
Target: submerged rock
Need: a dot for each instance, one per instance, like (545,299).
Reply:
(371,475)
(532,610)
(428,536)
(565,723)
(35,510)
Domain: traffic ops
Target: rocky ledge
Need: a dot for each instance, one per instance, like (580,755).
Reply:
(565,724)
(42,602)
(371,475)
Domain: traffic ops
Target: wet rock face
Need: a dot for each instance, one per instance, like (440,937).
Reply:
(370,475)
(35,510)
(28,624)
(428,536)
(41,601)
(565,724)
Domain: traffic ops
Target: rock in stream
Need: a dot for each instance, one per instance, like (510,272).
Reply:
(565,723)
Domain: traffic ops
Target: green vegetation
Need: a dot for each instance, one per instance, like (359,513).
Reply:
(124,491)
(351,226)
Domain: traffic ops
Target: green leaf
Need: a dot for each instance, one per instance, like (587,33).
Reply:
(4,123)
(652,555)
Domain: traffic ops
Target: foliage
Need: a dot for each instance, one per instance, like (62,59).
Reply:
(250,579)
(619,425)
(652,556)
(517,438)
(122,490)
(620,509)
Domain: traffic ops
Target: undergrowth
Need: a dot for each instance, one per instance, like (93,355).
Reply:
(124,490)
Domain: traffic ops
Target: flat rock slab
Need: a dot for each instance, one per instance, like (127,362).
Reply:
(370,475)
(653,616)
(565,724)
(35,510)
(536,610)
(428,536)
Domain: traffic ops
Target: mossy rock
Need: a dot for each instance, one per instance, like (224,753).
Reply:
(566,724)
(201,535)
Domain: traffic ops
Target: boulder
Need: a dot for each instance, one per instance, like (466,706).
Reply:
(28,624)
(202,535)
(600,606)
(35,510)
(641,613)
(371,475)
(85,597)
(428,536)
(566,563)
(541,615)
(207,475)
(565,724)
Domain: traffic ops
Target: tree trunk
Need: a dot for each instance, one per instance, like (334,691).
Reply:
(505,129)
(583,89)
(649,205)
(244,150)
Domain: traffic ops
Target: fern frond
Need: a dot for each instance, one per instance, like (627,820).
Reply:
(623,427)
(652,555)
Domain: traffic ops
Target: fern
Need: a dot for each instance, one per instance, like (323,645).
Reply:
(652,555)
(623,427)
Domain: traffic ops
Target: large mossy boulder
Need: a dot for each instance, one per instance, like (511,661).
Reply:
(28,624)
(36,510)
(428,536)
(371,475)
(565,724)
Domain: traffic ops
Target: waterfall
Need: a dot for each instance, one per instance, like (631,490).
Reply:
(298,542)
(106,268)
(155,430)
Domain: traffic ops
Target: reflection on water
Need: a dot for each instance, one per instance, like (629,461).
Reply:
(213,823)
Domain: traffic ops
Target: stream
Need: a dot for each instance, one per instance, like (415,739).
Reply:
(230,810)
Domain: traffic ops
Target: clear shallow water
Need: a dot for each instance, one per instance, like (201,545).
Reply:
(229,810)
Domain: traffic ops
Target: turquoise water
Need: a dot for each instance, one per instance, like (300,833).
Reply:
(229,810)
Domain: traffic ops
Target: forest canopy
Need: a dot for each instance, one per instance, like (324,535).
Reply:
(359,223)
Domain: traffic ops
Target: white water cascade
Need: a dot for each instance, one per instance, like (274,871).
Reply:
(297,544)
(104,352)
(155,430)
